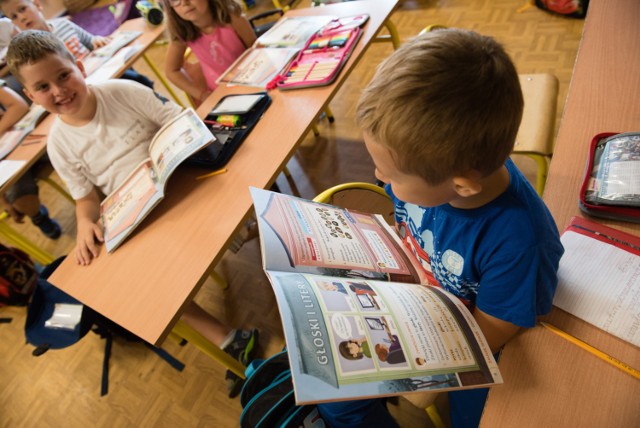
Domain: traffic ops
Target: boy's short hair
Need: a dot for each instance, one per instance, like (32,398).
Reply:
(31,46)
(445,103)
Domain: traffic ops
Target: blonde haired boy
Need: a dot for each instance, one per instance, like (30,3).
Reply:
(440,119)
(100,134)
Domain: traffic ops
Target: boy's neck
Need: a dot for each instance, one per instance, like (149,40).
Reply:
(493,186)
(85,114)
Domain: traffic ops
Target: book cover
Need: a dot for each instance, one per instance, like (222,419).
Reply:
(352,330)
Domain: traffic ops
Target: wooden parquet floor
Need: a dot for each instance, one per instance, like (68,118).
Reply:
(61,388)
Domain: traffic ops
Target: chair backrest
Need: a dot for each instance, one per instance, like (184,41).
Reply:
(535,135)
(365,197)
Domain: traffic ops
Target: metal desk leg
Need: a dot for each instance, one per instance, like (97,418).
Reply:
(160,77)
(184,331)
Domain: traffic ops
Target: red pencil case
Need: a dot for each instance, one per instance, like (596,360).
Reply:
(611,186)
(321,60)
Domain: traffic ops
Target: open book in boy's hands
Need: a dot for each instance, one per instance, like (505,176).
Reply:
(350,332)
(143,189)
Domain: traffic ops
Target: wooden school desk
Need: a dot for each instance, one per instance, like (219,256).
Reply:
(550,382)
(146,282)
(31,151)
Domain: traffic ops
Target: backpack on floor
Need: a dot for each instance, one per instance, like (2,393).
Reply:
(41,307)
(570,8)
(267,397)
(18,277)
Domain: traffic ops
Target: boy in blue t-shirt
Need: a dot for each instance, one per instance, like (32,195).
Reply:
(440,118)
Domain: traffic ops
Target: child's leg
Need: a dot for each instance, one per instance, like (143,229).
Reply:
(23,200)
(203,322)
(131,74)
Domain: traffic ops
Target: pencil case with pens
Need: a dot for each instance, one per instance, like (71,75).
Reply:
(611,186)
(230,120)
(320,61)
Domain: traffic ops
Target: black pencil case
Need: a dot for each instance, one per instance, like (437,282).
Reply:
(228,138)
(611,187)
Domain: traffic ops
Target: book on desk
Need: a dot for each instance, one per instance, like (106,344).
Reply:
(143,189)
(331,270)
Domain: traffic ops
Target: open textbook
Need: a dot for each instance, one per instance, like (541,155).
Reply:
(350,331)
(143,189)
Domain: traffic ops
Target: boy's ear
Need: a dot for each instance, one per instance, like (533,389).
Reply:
(467,186)
(27,93)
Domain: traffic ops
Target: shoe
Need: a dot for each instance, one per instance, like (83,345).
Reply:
(243,345)
(46,224)
(234,384)
(242,348)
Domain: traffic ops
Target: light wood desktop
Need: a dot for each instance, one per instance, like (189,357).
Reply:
(146,282)
(31,150)
(548,380)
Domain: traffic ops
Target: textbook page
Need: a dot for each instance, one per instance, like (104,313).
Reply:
(123,209)
(351,338)
(599,279)
(306,236)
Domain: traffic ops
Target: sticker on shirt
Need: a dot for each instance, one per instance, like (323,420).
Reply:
(453,262)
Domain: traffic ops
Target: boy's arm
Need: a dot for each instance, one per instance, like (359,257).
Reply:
(496,331)
(15,107)
(89,229)
(177,74)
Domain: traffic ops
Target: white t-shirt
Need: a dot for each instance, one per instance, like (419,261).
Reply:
(103,152)
(6,31)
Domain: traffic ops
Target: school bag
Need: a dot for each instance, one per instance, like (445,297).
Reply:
(570,8)
(267,397)
(41,308)
(18,277)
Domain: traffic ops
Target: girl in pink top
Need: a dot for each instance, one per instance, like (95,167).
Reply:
(216,31)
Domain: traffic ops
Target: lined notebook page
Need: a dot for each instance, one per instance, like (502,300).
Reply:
(600,283)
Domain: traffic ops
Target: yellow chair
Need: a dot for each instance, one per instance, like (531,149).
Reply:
(535,135)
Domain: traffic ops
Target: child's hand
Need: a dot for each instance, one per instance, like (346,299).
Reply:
(99,41)
(86,248)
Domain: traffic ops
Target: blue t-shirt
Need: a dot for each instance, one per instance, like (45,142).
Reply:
(501,258)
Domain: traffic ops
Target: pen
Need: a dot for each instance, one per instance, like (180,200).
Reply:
(211,174)
(598,353)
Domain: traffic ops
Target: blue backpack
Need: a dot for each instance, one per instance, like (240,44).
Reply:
(267,397)
(40,309)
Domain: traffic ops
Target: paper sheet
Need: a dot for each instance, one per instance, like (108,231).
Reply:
(8,168)
(600,283)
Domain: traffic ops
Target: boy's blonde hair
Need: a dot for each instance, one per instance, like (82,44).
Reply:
(186,31)
(31,46)
(446,103)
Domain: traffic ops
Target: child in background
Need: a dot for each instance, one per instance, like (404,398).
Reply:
(22,198)
(462,206)
(100,133)
(27,15)
(216,31)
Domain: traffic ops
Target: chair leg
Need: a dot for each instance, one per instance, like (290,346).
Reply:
(218,279)
(59,188)
(16,239)
(393,36)
(184,331)
(432,411)
(329,114)
(541,175)
(160,77)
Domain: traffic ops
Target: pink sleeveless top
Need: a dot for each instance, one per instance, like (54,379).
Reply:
(216,52)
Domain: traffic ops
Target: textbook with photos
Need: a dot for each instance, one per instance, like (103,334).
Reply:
(356,320)
(143,189)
